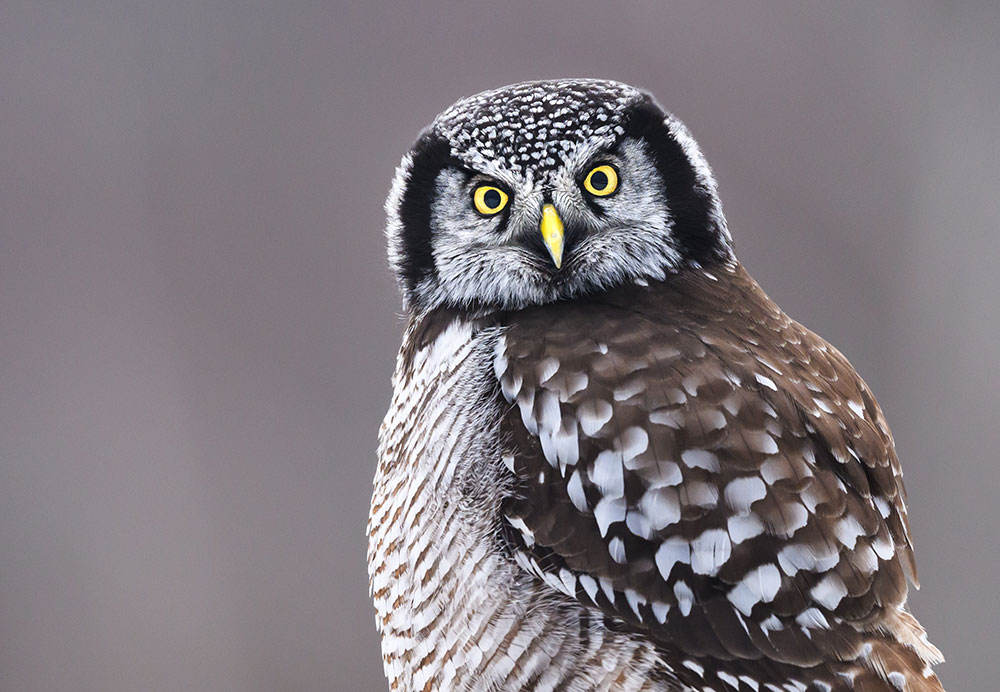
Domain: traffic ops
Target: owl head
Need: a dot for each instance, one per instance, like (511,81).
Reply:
(544,191)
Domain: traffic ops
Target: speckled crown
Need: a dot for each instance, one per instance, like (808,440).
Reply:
(534,126)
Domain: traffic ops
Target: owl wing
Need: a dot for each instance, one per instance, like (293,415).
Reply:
(714,476)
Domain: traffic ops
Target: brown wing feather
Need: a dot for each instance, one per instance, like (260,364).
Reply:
(693,462)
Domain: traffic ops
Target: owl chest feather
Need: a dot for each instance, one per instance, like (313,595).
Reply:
(455,612)
(430,556)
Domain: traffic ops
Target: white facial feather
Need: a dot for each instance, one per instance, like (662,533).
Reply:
(484,260)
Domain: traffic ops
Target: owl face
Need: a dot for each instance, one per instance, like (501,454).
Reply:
(544,191)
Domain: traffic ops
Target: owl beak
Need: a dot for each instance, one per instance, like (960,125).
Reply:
(552,233)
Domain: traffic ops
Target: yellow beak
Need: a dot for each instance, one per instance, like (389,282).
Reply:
(552,233)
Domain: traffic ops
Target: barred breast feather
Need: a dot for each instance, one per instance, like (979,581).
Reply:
(454,610)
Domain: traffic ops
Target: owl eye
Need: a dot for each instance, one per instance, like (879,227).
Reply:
(601,181)
(489,200)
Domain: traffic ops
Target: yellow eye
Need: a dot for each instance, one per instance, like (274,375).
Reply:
(489,199)
(601,181)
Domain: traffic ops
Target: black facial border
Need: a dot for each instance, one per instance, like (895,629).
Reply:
(430,155)
(698,236)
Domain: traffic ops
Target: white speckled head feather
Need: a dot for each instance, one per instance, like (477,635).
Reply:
(537,141)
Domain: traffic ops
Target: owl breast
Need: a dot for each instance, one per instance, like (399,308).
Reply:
(453,609)
(421,552)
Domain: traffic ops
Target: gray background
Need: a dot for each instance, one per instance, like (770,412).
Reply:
(197,326)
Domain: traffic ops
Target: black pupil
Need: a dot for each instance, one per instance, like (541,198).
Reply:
(491,199)
(599,180)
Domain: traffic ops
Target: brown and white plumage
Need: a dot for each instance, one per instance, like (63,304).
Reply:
(633,471)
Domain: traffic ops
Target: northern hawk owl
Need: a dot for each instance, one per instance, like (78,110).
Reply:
(611,462)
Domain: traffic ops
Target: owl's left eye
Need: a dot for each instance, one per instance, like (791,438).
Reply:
(601,181)
(489,200)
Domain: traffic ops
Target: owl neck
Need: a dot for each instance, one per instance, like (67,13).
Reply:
(693,288)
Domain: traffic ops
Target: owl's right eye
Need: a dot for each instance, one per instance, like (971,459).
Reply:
(489,200)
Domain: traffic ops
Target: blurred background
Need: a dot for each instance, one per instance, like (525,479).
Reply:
(197,325)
